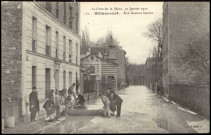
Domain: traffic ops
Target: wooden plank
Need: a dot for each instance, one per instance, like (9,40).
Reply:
(80,112)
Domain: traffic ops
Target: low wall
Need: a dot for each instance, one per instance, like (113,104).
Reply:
(12,109)
(195,97)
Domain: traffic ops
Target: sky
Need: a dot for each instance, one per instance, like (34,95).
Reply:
(127,29)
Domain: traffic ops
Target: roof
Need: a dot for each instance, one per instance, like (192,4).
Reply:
(99,58)
(103,50)
(112,57)
(90,55)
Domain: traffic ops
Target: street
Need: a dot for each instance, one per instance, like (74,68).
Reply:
(142,112)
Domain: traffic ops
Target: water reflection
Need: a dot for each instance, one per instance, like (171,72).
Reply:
(162,123)
(67,126)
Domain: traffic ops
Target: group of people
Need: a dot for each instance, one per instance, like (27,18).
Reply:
(56,102)
(112,102)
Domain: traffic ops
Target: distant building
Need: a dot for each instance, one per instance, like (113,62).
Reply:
(153,70)
(119,55)
(100,69)
(136,74)
(181,21)
(111,54)
(41,48)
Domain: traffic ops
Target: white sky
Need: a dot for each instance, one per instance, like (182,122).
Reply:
(127,29)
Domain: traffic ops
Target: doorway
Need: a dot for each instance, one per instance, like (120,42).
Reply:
(47,82)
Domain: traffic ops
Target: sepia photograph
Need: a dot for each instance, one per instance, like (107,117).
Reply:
(70,67)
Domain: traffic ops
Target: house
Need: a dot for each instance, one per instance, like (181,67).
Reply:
(101,68)
(40,48)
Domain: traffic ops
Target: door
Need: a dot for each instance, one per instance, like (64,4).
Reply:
(56,79)
(70,79)
(47,82)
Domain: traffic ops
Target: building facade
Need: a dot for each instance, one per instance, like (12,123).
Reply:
(40,48)
(182,21)
(119,53)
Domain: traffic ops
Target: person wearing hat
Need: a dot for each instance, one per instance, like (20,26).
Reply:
(118,101)
(51,95)
(34,103)
(49,104)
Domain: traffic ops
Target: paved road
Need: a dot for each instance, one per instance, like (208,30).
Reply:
(142,112)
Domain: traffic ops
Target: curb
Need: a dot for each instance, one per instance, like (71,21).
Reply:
(179,107)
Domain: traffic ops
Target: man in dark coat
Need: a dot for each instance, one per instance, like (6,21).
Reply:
(77,86)
(118,101)
(80,100)
(34,103)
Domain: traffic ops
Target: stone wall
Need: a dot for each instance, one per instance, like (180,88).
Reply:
(11,63)
(182,22)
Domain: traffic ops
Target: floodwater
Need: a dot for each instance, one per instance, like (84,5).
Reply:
(142,112)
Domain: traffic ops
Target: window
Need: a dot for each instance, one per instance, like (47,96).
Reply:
(47,81)
(92,58)
(57,44)
(92,69)
(71,16)
(34,34)
(64,79)
(34,76)
(48,41)
(76,54)
(48,6)
(64,49)
(76,77)
(70,78)
(77,23)
(65,13)
(57,9)
(70,51)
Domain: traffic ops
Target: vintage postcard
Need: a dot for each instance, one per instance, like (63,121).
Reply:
(105,67)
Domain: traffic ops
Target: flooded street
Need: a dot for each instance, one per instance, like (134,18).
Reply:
(142,112)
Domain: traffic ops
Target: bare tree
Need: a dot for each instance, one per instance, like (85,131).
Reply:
(195,56)
(107,40)
(155,32)
(85,38)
